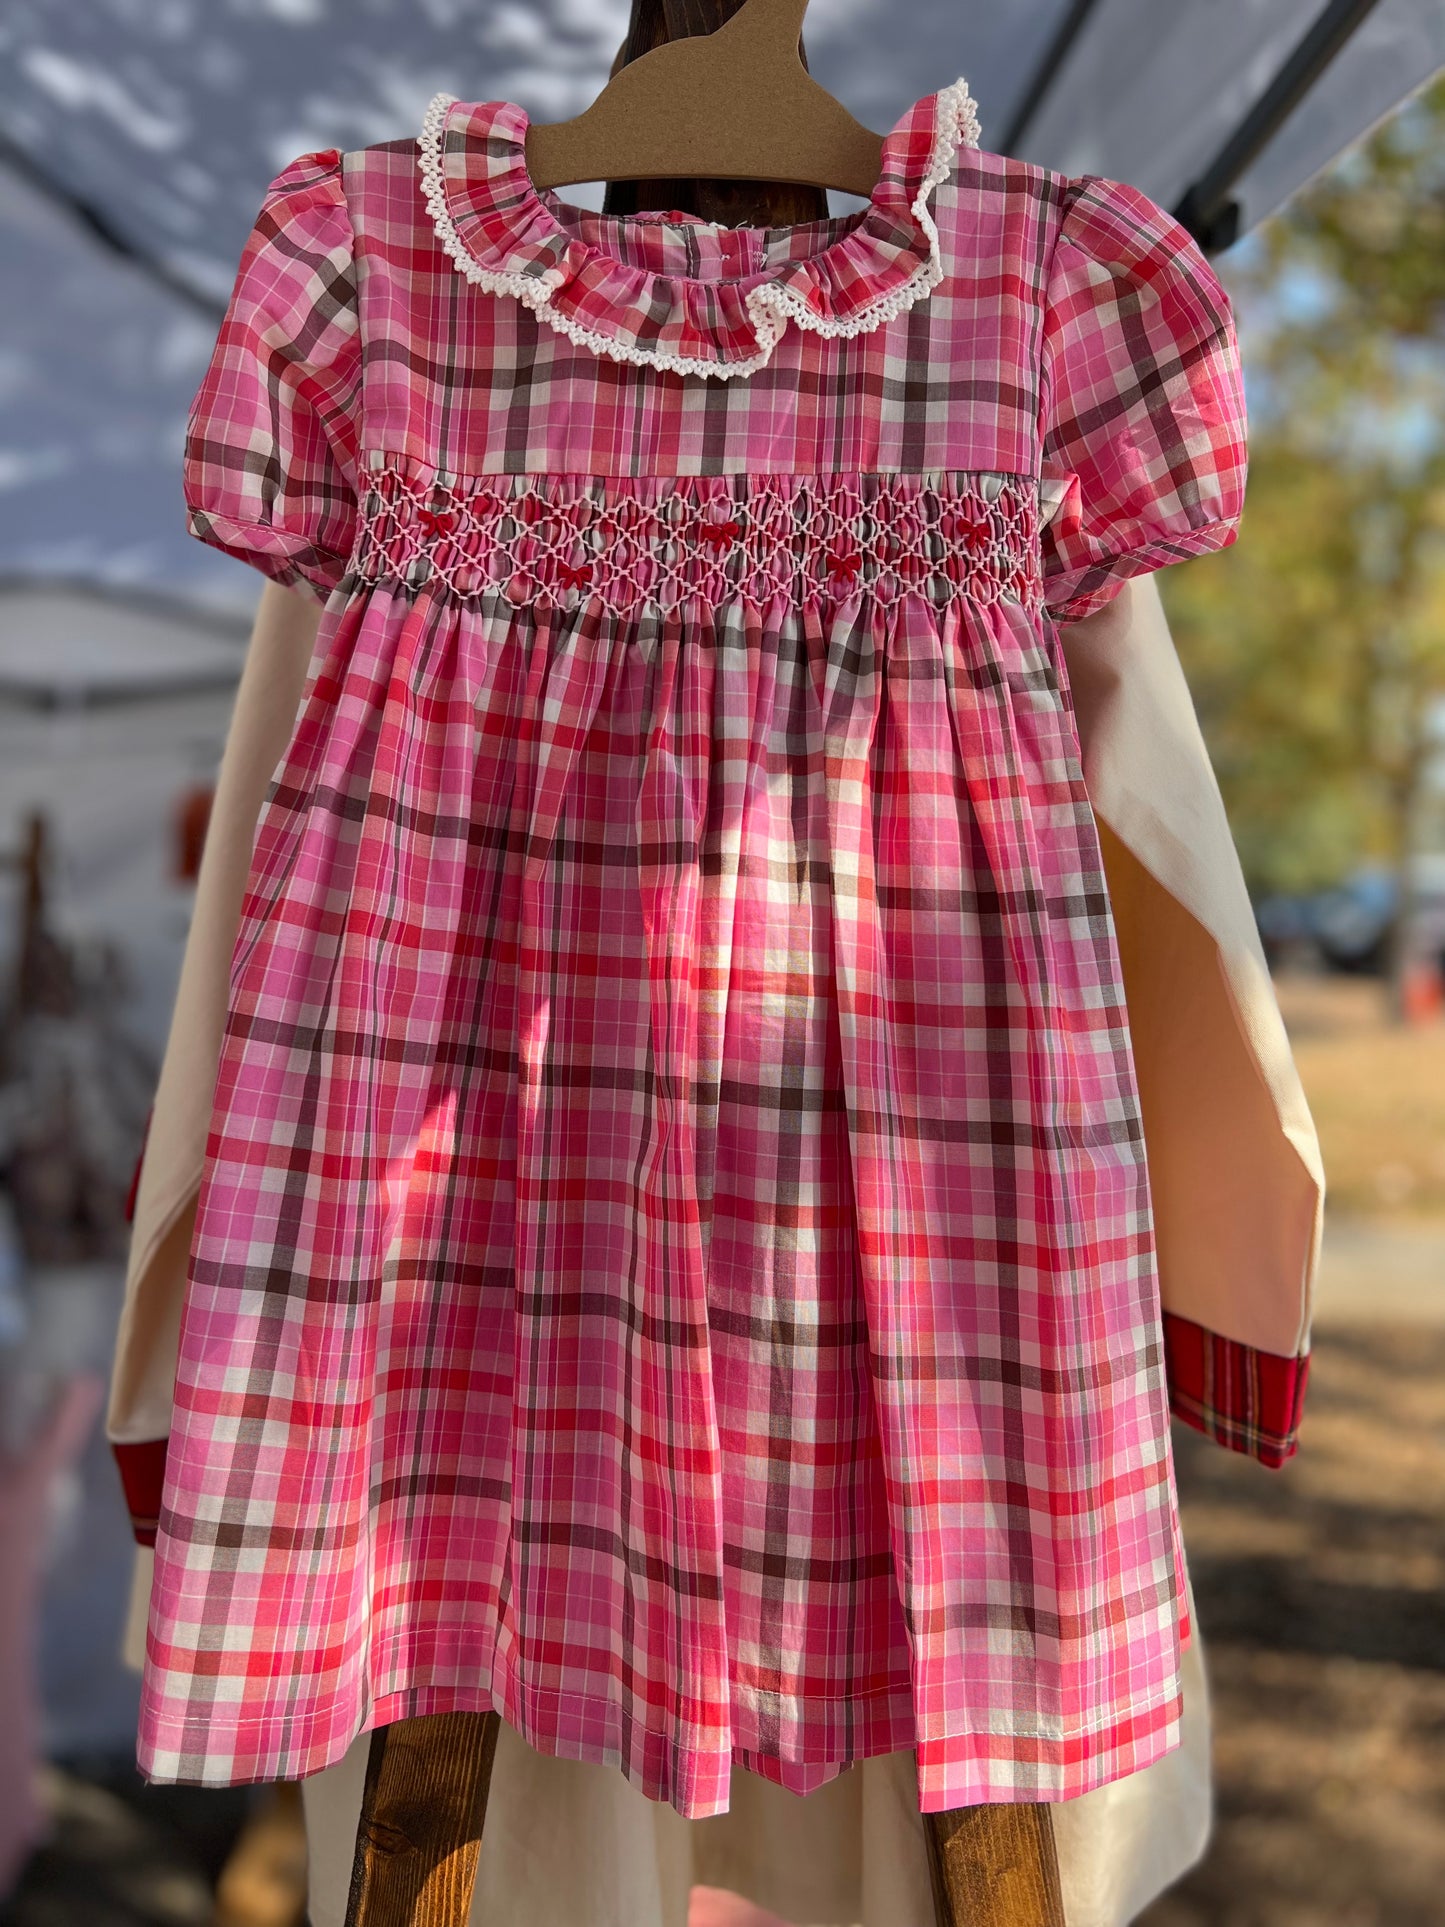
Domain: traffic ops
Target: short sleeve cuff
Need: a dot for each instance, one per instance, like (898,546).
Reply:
(1080,592)
(288,559)
(270,460)
(1248,1400)
(142,1470)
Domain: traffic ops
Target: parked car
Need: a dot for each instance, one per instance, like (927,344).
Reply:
(1351,926)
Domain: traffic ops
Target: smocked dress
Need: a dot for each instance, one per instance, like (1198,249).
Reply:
(674,1257)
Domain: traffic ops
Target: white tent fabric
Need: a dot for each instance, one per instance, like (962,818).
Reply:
(1153,100)
(167,118)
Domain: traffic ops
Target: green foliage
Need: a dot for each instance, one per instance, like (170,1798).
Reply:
(1316,646)
(1374,229)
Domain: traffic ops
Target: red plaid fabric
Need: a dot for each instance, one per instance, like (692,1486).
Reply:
(1246,1399)
(1135,323)
(142,1477)
(674,1261)
(632,299)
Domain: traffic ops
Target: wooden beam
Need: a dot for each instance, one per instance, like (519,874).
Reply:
(994,1866)
(420,1831)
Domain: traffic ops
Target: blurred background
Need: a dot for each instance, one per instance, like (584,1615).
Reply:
(1304,144)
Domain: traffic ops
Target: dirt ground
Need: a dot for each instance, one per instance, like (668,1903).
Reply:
(1377,1091)
(1321,1594)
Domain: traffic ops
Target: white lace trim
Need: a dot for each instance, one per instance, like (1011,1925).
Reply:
(770,307)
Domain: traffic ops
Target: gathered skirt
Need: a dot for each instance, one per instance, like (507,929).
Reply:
(674,1258)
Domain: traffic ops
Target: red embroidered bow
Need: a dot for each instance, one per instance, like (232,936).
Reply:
(719,534)
(574,575)
(436,521)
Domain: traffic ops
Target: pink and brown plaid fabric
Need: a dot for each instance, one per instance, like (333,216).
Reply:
(674,1262)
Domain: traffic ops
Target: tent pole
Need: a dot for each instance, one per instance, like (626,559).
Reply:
(1207,208)
(1060,47)
(99,226)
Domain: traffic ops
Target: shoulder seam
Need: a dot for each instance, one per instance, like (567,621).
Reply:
(315,173)
(1098,189)
(1070,186)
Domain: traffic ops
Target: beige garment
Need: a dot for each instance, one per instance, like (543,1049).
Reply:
(1234,1163)
(850,1854)
(1238,1198)
(267,700)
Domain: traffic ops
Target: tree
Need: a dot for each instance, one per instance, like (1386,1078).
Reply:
(1316,646)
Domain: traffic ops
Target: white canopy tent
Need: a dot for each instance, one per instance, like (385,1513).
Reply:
(137,136)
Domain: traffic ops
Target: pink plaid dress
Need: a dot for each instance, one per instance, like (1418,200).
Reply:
(674,1262)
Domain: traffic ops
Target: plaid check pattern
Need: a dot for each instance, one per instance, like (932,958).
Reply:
(640,299)
(674,1261)
(1249,1400)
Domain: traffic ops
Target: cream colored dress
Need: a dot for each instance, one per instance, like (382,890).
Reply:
(1238,1198)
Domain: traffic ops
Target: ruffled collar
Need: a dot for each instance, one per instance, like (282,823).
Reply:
(671,291)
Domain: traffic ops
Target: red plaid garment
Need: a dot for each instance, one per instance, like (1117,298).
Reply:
(674,1261)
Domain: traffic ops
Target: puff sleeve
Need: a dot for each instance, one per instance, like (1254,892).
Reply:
(1142,399)
(270,463)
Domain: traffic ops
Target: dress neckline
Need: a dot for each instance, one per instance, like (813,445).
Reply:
(723,310)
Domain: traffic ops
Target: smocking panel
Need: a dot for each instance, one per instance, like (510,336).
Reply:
(543,541)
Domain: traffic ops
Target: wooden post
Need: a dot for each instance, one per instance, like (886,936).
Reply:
(421,1821)
(994,1866)
(32,863)
(427,1778)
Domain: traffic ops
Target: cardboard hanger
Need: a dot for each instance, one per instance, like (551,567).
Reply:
(735,105)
